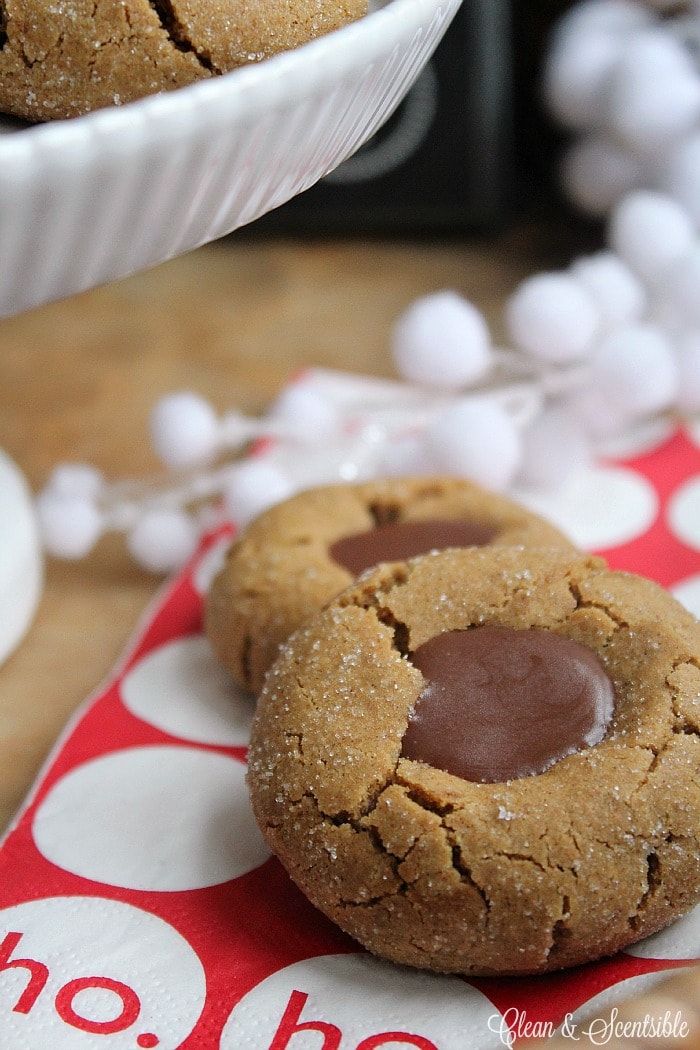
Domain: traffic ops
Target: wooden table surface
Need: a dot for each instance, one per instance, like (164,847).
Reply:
(231,321)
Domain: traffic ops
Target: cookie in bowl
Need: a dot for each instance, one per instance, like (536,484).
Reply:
(486,761)
(63,60)
(299,554)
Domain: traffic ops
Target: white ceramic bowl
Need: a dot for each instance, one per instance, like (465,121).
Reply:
(89,200)
(21,558)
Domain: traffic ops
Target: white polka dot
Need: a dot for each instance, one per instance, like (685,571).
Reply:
(181,689)
(600,507)
(152,818)
(679,941)
(589,1020)
(683,513)
(104,974)
(211,562)
(692,429)
(362,998)
(687,593)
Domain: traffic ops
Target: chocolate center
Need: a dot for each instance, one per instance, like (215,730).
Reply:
(398,540)
(500,703)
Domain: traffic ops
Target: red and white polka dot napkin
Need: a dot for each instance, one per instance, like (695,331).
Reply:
(140,907)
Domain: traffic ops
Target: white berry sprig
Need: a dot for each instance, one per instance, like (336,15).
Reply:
(622,76)
(588,358)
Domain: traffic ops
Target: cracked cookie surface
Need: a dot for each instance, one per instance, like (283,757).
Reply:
(66,58)
(281,570)
(524,876)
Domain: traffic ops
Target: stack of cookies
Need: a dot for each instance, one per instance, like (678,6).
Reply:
(476,748)
(62,60)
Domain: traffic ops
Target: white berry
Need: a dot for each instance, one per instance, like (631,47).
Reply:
(653,93)
(635,367)
(554,446)
(613,16)
(441,340)
(649,231)
(688,361)
(596,173)
(679,291)
(70,525)
(184,429)
(599,416)
(404,456)
(312,415)
(251,487)
(585,46)
(76,479)
(619,294)
(679,175)
(553,317)
(163,539)
(475,438)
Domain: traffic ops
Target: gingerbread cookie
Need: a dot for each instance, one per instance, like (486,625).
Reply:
(550,817)
(299,554)
(62,60)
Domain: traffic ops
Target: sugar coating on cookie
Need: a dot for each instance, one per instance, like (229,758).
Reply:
(299,554)
(66,58)
(520,876)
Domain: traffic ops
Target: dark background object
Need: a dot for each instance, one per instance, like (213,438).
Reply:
(468,146)
(537,140)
